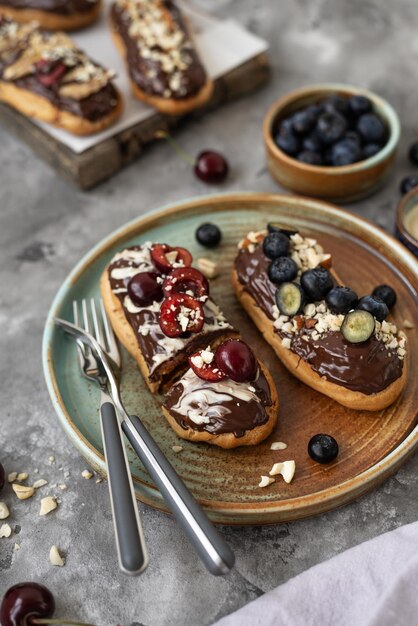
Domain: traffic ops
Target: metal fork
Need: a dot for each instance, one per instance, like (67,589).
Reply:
(130,542)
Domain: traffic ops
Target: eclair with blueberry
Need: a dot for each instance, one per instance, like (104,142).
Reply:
(164,68)
(341,345)
(226,398)
(161,309)
(46,77)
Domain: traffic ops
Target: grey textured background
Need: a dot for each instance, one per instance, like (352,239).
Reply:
(46,226)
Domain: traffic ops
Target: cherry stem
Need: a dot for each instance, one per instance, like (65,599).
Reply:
(163,134)
(68,622)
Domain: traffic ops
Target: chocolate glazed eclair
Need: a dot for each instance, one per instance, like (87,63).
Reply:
(163,66)
(45,76)
(53,14)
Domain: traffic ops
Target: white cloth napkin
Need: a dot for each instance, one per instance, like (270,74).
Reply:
(373,584)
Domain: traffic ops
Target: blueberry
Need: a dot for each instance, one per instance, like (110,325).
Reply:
(282,270)
(315,110)
(208,235)
(336,104)
(303,122)
(276,244)
(371,128)
(290,299)
(323,448)
(310,157)
(345,152)
(374,305)
(316,282)
(408,183)
(331,127)
(385,293)
(341,299)
(370,149)
(413,153)
(351,135)
(274,227)
(358,326)
(312,142)
(359,105)
(288,142)
(286,124)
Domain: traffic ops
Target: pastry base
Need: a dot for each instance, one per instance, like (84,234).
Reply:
(53,21)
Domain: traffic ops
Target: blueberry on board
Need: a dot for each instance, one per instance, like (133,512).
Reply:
(310,157)
(374,305)
(303,122)
(345,152)
(408,183)
(359,105)
(331,127)
(288,142)
(370,149)
(316,282)
(385,293)
(336,104)
(323,448)
(371,128)
(276,244)
(413,153)
(312,142)
(208,235)
(282,270)
(341,299)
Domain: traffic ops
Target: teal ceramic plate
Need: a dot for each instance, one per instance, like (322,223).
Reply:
(372,445)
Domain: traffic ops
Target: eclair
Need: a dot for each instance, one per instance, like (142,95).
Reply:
(53,14)
(227,398)
(338,344)
(164,67)
(46,77)
(161,310)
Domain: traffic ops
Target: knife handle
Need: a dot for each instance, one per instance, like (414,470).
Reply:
(208,543)
(130,542)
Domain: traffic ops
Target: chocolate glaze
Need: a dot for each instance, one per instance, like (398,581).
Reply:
(63,7)
(242,416)
(151,344)
(368,367)
(147,73)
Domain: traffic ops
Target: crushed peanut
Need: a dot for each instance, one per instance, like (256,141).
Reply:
(48,505)
(265,481)
(208,268)
(41,482)
(23,492)
(12,477)
(5,530)
(4,510)
(55,558)
(278,445)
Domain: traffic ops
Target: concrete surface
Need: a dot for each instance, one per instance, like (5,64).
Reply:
(46,226)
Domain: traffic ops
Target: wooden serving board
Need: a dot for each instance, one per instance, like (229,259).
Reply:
(101,161)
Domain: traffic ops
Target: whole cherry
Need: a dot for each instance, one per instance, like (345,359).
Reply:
(236,359)
(30,604)
(210,166)
(144,288)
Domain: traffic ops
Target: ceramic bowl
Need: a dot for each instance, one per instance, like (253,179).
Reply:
(407,203)
(341,184)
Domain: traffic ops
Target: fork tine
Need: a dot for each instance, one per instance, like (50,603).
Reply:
(81,349)
(97,326)
(86,324)
(110,336)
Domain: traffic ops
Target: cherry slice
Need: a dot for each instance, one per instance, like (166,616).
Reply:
(179,314)
(237,360)
(165,259)
(144,289)
(205,371)
(184,279)
(49,72)
(25,601)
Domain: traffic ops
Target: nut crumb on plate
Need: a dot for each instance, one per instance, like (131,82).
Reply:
(278,445)
(86,474)
(48,504)
(265,481)
(23,492)
(5,530)
(408,325)
(22,476)
(40,483)
(55,558)
(4,510)
(12,477)
(177,448)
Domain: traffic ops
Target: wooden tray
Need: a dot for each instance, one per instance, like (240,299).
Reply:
(372,445)
(106,158)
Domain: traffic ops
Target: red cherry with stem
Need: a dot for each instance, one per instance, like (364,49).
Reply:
(49,72)
(205,371)
(1,476)
(165,258)
(209,166)
(185,279)
(30,604)
(179,314)
(144,289)
(237,360)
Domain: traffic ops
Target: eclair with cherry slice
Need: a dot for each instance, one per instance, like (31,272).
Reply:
(164,68)
(45,76)
(161,310)
(227,398)
(338,344)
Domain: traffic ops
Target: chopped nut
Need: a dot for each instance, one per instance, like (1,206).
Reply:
(86,474)
(55,558)
(48,504)
(99,480)
(5,530)
(208,268)
(12,477)
(278,445)
(288,471)
(16,547)
(177,448)
(4,510)
(276,469)
(23,492)
(286,342)
(310,323)
(22,476)
(40,483)
(51,459)
(265,481)
(408,325)
(63,486)
(325,260)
